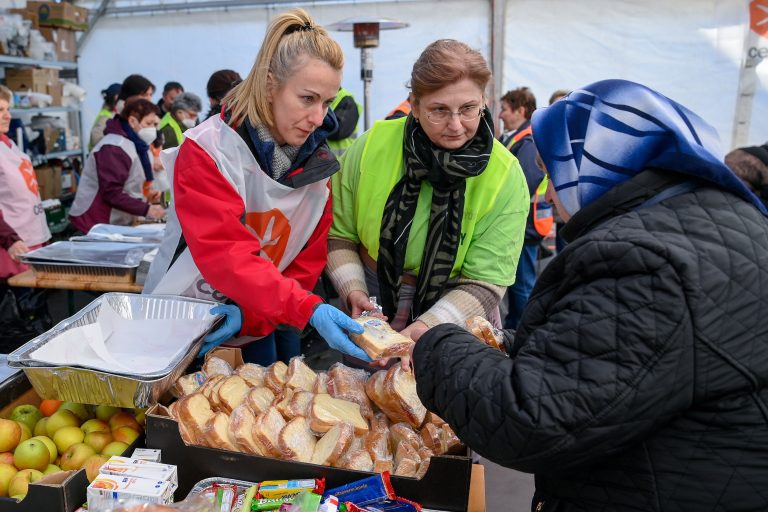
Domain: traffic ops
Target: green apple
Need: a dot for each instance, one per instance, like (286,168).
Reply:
(81,410)
(27,414)
(51,446)
(75,456)
(32,454)
(19,484)
(66,437)
(59,419)
(95,425)
(92,466)
(104,412)
(51,469)
(10,435)
(7,472)
(98,440)
(114,448)
(40,428)
(26,433)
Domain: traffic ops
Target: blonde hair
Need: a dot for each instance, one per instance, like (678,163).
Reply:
(445,62)
(291,36)
(6,94)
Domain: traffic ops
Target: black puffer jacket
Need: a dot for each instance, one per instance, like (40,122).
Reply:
(637,380)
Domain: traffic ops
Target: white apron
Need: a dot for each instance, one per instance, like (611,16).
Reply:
(281,218)
(19,196)
(89,181)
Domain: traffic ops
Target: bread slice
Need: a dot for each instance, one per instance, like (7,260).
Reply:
(406,451)
(434,418)
(266,430)
(449,438)
(402,433)
(253,374)
(374,389)
(207,387)
(276,376)
(423,468)
(321,383)
(377,445)
(214,397)
(431,436)
(232,392)
(241,423)
(296,440)
(359,460)
(326,411)
(217,433)
(380,423)
(300,376)
(172,412)
(283,401)
(195,413)
(484,331)
(188,384)
(259,399)
(348,384)
(379,340)
(402,386)
(330,447)
(380,466)
(425,453)
(216,366)
(300,404)
(407,467)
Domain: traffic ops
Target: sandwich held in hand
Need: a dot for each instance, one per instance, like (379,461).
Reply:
(379,340)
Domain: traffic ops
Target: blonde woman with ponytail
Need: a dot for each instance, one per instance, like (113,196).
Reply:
(252,202)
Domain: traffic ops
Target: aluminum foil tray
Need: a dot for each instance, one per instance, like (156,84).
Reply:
(202,485)
(146,233)
(92,254)
(89,386)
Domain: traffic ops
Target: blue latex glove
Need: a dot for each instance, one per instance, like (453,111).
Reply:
(233,322)
(331,323)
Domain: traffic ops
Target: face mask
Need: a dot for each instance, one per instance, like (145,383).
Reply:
(188,123)
(148,135)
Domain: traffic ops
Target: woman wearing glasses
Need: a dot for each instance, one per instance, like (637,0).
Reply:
(429,210)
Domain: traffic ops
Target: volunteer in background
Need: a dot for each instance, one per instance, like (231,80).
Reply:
(517,106)
(219,84)
(106,113)
(402,110)
(429,210)
(182,116)
(134,86)
(637,378)
(751,165)
(347,112)
(22,219)
(110,188)
(170,91)
(252,208)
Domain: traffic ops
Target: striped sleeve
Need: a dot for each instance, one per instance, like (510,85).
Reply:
(467,298)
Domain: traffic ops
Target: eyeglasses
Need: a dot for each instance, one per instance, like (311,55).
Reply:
(441,115)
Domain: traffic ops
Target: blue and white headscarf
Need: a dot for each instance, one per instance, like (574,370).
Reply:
(604,134)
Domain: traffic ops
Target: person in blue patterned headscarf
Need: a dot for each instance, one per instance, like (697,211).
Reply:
(637,378)
(608,132)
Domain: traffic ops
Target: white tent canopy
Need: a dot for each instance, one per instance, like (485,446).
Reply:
(690,50)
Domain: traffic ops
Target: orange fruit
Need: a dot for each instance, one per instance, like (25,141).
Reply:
(48,407)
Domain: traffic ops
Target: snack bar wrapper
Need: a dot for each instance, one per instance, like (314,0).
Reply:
(274,489)
(366,491)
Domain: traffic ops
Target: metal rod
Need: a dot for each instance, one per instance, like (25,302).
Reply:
(366,75)
(229,4)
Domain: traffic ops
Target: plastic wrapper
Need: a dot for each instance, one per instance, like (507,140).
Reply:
(260,399)
(433,438)
(304,502)
(400,387)
(379,340)
(300,376)
(402,433)
(348,384)
(216,366)
(272,489)
(276,375)
(395,505)
(321,384)
(332,445)
(252,373)
(188,384)
(485,332)
(377,445)
(366,491)
(296,441)
(193,504)
(406,451)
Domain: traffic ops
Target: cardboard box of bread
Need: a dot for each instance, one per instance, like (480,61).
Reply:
(332,424)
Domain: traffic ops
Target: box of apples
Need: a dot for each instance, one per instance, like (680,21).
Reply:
(58,448)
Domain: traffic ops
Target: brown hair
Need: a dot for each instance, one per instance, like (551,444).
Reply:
(521,97)
(290,37)
(751,169)
(6,94)
(221,82)
(560,93)
(444,62)
(139,108)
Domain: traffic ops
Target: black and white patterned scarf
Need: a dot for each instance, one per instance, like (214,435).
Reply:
(447,172)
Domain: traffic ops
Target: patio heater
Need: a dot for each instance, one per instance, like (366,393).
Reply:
(366,37)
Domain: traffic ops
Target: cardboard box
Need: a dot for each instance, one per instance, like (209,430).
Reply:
(49,180)
(64,14)
(36,80)
(444,487)
(63,40)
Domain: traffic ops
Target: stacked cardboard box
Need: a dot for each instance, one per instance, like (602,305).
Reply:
(58,23)
(45,81)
